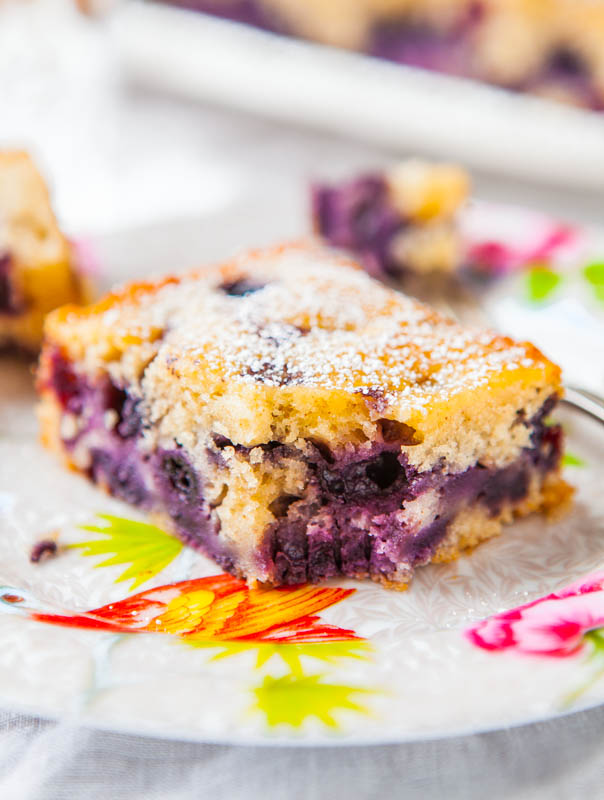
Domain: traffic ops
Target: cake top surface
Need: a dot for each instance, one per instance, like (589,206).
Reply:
(297,316)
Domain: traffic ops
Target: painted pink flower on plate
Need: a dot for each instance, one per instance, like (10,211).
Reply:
(553,626)
(86,258)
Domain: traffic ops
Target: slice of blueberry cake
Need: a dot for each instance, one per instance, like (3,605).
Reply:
(37,270)
(296,420)
(400,223)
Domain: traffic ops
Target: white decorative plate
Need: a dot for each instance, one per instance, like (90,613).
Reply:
(344,663)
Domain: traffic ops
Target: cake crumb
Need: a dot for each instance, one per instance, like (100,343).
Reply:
(43,550)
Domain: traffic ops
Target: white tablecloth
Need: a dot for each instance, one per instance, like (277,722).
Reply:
(121,158)
(47,761)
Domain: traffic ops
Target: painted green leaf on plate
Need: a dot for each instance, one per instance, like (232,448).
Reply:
(290,654)
(571,460)
(146,548)
(594,274)
(291,700)
(541,282)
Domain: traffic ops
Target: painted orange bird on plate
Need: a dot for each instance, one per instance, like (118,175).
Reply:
(219,607)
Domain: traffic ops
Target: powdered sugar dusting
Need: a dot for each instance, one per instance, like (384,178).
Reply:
(315,322)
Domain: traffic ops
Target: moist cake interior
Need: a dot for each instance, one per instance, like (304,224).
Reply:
(346,521)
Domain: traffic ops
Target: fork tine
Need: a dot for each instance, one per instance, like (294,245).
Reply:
(585,401)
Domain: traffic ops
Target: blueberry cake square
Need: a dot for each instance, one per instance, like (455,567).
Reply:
(296,420)
(37,270)
(400,223)
(552,48)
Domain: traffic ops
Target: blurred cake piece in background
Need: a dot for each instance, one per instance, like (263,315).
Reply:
(554,48)
(400,222)
(37,269)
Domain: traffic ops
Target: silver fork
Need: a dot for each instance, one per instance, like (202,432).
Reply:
(585,401)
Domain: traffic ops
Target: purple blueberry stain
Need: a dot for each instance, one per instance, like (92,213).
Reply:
(130,423)
(358,216)
(119,470)
(70,389)
(358,531)
(43,550)
(568,63)
(9,302)
(180,476)
(248,12)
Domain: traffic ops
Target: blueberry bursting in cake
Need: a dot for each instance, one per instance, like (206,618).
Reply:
(37,272)
(400,223)
(552,48)
(295,420)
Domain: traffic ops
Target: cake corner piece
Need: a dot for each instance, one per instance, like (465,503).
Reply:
(296,420)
